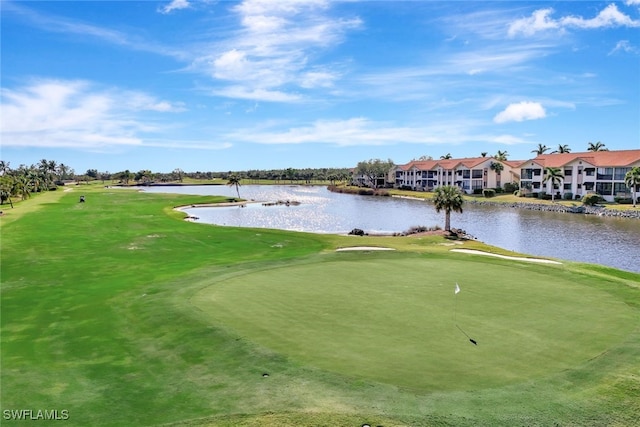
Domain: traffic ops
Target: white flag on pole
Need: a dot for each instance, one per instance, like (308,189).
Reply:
(457,288)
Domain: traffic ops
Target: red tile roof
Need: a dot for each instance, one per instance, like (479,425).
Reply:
(595,158)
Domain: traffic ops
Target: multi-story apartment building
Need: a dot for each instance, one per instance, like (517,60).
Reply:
(599,172)
(469,173)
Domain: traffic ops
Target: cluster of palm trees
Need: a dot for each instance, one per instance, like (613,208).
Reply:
(564,148)
(25,180)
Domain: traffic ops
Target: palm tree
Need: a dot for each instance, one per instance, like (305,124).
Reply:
(234,180)
(598,146)
(501,155)
(448,198)
(562,149)
(555,176)
(632,180)
(446,156)
(541,149)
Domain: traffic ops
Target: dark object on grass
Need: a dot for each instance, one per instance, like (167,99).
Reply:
(474,342)
(81,199)
(265,375)
(357,232)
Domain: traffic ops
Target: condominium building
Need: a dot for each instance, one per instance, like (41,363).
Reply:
(469,173)
(601,172)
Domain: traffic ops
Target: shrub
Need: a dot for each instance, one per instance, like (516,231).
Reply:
(623,200)
(510,187)
(518,194)
(499,190)
(592,199)
(488,192)
(477,191)
(365,192)
(577,197)
(568,196)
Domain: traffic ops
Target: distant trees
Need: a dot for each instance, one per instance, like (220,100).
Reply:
(449,199)
(501,155)
(597,146)
(562,148)
(446,156)
(541,149)
(373,170)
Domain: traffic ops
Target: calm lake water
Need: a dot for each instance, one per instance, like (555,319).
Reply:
(587,238)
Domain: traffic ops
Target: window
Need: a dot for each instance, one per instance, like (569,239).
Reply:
(605,174)
(536,185)
(579,186)
(537,172)
(620,173)
(588,186)
(567,187)
(526,173)
(466,174)
(604,188)
(476,173)
(620,187)
(589,171)
(568,172)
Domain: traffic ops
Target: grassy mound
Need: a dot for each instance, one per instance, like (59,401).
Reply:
(120,313)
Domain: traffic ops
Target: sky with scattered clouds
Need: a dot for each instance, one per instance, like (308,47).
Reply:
(206,85)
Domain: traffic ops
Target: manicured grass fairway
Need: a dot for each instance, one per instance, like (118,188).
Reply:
(122,314)
(392,318)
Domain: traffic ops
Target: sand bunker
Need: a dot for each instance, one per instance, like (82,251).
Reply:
(472,251)
(364,248)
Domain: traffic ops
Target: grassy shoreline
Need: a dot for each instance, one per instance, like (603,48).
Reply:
(103,315)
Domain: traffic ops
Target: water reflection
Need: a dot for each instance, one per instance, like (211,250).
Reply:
(587,238)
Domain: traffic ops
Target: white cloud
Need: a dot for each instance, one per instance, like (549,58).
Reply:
(175,5)
(541,20)
(624,46)
(62,113)
(361,131)
(272,52)
(538,21)
(520,112)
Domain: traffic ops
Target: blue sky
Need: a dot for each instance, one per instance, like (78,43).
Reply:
(258,84)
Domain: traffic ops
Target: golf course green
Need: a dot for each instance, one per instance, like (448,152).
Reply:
(118,312)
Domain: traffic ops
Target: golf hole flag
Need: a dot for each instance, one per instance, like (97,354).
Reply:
(457,289)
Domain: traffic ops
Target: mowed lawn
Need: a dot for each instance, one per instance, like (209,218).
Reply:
(395,318)
(120,313)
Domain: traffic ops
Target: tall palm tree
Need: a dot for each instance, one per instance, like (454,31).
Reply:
(234,180)
(501,155)
(541,149)
(598,146)
(555,176)
(449,199)
(632,180)
(562,148)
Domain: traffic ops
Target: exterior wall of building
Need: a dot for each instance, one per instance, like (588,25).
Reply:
(580,178)
(467,177)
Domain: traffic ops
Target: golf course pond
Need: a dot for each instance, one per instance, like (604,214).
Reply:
(613,242)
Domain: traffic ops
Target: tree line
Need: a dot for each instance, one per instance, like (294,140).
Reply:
(47,175)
